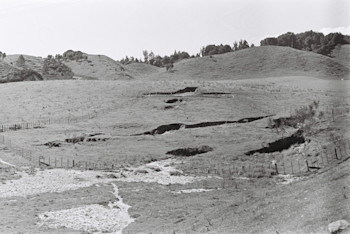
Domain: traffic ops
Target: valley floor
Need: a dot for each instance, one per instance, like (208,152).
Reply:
(104,147)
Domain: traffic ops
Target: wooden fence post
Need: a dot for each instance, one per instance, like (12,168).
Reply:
(307,165)
(336,155)
(276,168)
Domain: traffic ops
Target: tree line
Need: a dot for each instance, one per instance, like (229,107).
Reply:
(309,41)
(166,61)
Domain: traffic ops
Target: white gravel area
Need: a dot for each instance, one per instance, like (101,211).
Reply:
(287,179)
(59,180)
(50,181)
(161,172)
(192,191)
(91,218)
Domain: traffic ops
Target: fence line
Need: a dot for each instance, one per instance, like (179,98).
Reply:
(334,111)
(42,123)
(327,155)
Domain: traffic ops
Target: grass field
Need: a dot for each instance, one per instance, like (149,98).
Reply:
(220,191)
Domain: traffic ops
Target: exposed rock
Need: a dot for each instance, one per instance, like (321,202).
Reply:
(338,226)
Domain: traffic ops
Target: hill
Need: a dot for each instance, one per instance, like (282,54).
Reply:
(31,62)
(143,68)
(54,69)
(10,73)
(341,53)
(265,61)
(99,67)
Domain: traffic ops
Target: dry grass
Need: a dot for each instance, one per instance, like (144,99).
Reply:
(267,61)
(241,201)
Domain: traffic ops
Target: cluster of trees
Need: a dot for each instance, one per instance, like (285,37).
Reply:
(166,61)
(309,41)
(157,60)
(54,66)
(72,55)
(2,55)
(221,49)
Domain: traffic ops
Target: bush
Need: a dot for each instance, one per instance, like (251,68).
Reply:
(52,66)
(303,118)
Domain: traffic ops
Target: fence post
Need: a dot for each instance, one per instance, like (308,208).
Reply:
(299,165)
(276,168)
(307,165)
(336,155)
(291,163)
(73,163)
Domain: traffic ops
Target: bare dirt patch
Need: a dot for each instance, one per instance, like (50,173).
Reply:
(190,151)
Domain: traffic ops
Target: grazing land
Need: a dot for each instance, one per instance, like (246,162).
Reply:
(253,141)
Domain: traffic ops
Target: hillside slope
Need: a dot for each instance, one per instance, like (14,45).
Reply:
(10,73)
(342,54)
(99,67)
(266,61)
(143,68)
(31,62)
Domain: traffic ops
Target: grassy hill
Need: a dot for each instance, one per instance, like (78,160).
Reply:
(10,73)
(143,68)
(31,62)
(99,67)
(342,54)
(267,61)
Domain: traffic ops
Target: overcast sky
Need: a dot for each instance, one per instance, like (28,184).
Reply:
(127,27)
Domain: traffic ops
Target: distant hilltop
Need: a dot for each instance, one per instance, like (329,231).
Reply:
(304,54)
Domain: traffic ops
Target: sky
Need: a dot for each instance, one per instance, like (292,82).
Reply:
(117,28)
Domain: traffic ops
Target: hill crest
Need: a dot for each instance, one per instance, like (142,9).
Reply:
(265,61)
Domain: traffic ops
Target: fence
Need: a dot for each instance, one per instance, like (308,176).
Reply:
(53,162)
(338,150)
(253,168)
(44,122)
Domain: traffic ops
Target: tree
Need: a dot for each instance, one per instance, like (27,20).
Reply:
(165,60)
(151,57)
(243,44)
(287,39)
(158,61)
(235,46)
(20,61)
(145,55)
(269,41)
(169,67)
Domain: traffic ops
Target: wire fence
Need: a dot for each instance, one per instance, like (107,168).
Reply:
(44,122)
(335,151)
(293,164)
